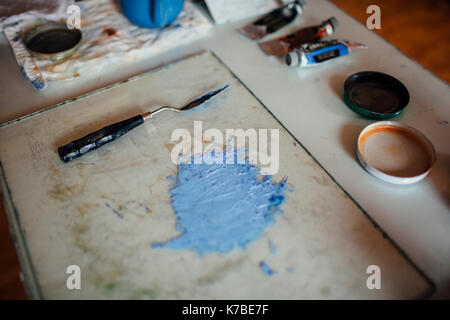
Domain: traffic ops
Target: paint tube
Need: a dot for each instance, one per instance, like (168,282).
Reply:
(274,20)
(283,45)
(312,54)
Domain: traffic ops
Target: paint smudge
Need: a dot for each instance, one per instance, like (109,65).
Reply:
(266,268)
(221,207)
(110,31)
(38,82)
(114,211)
(273,248)
(131,207)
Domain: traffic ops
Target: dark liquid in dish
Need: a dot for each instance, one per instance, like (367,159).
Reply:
(54,41)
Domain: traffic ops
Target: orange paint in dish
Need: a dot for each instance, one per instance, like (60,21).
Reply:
(395,152)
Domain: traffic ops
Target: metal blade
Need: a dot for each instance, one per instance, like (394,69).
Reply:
(198,101)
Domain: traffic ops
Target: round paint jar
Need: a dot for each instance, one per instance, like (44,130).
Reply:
(151,13)
(52,41)
(395,152)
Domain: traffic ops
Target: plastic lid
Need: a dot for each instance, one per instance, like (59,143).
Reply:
(334,22)
(301,2)
(375,95)
(292,59)
(395,152)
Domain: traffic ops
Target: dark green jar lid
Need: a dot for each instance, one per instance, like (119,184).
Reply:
(375,95)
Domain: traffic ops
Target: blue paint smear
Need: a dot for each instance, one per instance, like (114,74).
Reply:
(37,83)
(114,211)
(221,207)
(273,248)
(265,267)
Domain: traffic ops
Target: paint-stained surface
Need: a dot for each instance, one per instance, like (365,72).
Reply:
(221,207)
(273,247)
(104,211)
(108,38)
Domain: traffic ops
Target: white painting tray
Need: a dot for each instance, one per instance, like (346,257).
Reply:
(62,214)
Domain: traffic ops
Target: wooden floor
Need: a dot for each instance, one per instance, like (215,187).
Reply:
(10,284)
(419,28)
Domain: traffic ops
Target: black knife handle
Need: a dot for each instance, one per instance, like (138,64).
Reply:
(98,138)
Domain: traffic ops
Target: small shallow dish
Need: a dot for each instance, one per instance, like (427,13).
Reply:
(52,41)
(395,152)
(375,95)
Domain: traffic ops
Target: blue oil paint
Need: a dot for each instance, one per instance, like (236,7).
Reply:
(221,207)
(265,267)
(273,248)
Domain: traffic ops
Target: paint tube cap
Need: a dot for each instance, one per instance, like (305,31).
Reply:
(301,3)
(395,152)
(375,95)
(52,41)
(292,59)
(334,22)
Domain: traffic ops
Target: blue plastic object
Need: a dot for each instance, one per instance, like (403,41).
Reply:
(151,13)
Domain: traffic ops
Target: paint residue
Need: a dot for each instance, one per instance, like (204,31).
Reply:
(131,206)
(273,247)
(221,207)
(114,211)
(110,31)
(266,268)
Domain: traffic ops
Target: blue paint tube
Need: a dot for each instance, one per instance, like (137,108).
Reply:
(314,53)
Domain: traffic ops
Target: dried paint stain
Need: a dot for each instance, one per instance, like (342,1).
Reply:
(273,247)
(221,207)
(266,268)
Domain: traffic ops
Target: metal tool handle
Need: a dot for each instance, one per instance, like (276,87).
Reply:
(98,138)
